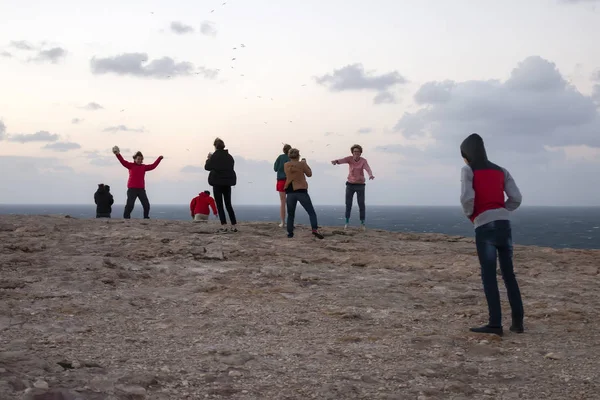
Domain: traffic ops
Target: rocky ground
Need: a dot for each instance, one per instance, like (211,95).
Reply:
(96,309)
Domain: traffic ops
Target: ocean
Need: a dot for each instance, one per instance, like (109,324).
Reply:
(557,227)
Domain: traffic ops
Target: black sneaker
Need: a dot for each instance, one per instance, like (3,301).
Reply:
(496,330)
(317,234)
(290,235)
(517,327)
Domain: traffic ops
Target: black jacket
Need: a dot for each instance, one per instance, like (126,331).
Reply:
(104,200)
(220,165)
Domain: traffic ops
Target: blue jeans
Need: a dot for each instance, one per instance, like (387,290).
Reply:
(359,189)
(494,241)
(292,200)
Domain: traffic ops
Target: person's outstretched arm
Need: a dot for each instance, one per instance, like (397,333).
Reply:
(154,164)
(123,162)
(208,165)
(467,193)
(344,160)
(368,169)
(213,205)
(512,192)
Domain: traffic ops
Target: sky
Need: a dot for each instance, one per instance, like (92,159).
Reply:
(408,80)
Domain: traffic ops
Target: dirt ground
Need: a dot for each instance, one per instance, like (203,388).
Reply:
(96,309)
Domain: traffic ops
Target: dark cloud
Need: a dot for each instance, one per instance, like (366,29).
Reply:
(180,28)
(136,64)
(121,128)
(93,107)
(365,130)
(41,136)
(76,121)
(207,28)
(354,77)
(192,169)
(22,45)
(534,107)
(53,55)
(6,54)
(62,146)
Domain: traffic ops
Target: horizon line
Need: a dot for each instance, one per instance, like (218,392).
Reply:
(277,205)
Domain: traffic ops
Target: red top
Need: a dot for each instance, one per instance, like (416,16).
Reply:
(200,204)
(488,184)
(137,172)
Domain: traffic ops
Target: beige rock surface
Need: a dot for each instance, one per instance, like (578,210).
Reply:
(96,309)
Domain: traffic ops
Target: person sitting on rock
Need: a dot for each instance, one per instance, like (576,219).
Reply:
(199,206)
(296,189)
(104,201)
(483,185)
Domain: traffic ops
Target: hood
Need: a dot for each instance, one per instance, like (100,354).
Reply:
(202,194)
(473,150)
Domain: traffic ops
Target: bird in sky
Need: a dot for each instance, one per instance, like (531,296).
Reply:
(242,45)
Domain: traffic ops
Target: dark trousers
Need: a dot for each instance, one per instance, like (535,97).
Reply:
(292,200)
(132,195)
(494,241)
(102,215)
(359,189)
(223,194)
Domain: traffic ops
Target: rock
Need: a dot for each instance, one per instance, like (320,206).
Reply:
(131,390)
(234,372)
(40,384)
(554,356)
(52,394)
(237,359)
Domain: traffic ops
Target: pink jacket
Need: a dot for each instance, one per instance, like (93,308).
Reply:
(356,174)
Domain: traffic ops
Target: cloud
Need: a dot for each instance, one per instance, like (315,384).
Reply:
(384,98)
(53,55)
(41,136)
(133,64)
(354,77)
(180,28)
(22,45)
(121,128)
(207,28)
(62,146)
(534,107)
(6,54)
(192,169)
(93,107)
(365,130)
(76,121)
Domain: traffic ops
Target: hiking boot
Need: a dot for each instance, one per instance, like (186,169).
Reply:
(317,234)
(517,325)
(496,330)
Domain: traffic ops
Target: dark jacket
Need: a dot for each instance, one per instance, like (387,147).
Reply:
(278,165)
(103,199)
(220,165)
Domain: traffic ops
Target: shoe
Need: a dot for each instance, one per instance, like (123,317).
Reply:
(222,230)
(234,229)
(281,224)
(290,235)
(317,234)
(345,226)
(496,330)
(363,227)
(517,326)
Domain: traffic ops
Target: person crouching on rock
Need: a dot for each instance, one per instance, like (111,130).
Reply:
(296,189)
(483,185)
(104,201)
(136,185)
(199,207)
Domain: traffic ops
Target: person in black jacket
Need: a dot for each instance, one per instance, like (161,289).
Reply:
(104,201)
(222,177)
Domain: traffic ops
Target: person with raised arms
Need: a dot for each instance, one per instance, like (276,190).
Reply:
(355,182)
(136,184)
(278,167)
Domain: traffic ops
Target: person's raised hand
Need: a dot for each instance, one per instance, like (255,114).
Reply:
(333,162)
(371,177)
(116,150)
(160,157)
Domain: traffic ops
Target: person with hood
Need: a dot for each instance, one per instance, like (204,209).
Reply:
(483,185)
(296,189)
(136,184)
(222,177)
(104,201)
(278,167)
(355,182)
(199,207)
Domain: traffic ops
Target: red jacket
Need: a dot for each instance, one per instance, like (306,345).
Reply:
(200,204)
(137,172)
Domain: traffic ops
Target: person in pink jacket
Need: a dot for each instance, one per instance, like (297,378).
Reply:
(356,181)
